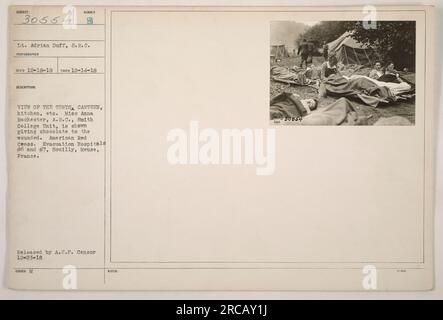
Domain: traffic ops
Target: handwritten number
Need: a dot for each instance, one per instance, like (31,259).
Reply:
(43,20)
(55,20)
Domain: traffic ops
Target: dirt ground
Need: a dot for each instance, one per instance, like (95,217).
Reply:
(399,108)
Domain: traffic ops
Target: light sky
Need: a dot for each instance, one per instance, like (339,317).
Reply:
(310,23)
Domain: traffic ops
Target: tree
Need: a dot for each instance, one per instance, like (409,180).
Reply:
(325,31)
(393,41)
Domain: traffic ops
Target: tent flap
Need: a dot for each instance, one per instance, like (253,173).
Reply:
(350,51)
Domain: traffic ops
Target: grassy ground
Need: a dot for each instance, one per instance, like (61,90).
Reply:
(400,108)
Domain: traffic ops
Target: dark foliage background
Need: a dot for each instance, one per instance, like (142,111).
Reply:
(392,40)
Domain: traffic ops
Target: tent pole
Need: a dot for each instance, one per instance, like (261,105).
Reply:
(358,60)
(346,54)
(367,57)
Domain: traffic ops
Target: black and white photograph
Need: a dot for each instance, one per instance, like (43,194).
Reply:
(342,73)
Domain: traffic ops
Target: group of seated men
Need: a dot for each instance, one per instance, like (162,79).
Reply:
(379,79)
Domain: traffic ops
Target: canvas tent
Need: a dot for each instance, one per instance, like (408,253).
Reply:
(278,51)
(349,51)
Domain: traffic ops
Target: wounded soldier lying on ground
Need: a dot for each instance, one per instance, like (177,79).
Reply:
(296,77)
(370,91)
(289,107)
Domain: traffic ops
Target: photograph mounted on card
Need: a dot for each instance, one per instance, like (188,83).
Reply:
(195,148)
(343,73)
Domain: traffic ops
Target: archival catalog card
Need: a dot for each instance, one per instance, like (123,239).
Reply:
(221,148)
